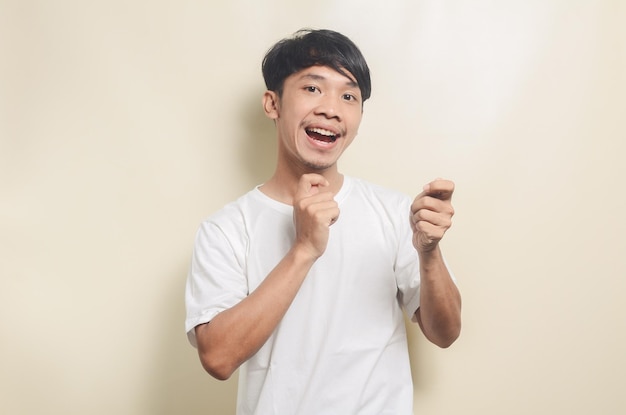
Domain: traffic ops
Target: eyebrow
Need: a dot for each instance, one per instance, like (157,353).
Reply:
(317,77)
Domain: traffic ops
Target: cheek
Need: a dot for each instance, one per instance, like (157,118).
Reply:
(355,123)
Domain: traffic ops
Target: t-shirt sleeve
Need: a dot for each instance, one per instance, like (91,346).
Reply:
(216,279)
(407,262)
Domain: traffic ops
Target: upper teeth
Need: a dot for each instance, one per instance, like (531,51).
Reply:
(322,132)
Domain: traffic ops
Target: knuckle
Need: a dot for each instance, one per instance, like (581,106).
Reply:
(301,205)
(422,226)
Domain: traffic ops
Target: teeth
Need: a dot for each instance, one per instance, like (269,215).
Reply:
(322,132)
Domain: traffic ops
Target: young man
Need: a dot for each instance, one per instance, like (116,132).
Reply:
(302,281)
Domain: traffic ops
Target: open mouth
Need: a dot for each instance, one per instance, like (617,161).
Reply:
(321,134)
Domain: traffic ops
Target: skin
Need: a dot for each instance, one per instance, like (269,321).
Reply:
(307,177)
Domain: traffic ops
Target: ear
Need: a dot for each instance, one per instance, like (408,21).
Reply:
(270,104)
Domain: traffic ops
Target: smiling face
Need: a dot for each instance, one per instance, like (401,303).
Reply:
(317,117)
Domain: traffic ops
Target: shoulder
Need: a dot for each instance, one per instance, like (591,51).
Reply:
(236,209)
(231,218)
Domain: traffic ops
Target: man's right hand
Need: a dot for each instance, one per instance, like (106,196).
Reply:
(314,210)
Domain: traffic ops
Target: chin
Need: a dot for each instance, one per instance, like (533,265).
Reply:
(317,166)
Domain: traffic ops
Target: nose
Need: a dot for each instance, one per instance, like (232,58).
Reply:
(329,107)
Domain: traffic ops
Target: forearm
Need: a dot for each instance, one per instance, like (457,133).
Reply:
(439,314)
(236,334)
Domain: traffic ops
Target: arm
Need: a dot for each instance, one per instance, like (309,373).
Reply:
(236,334)
(439,314)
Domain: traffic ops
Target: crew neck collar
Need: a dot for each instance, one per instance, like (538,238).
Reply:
(286,208)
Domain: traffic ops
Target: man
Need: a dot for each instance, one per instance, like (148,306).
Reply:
(301,282)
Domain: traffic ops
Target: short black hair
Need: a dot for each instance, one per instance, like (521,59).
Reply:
(308,47)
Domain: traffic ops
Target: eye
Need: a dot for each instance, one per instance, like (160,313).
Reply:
(349,97)
(311,88)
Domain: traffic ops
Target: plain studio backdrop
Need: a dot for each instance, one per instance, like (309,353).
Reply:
(124,123)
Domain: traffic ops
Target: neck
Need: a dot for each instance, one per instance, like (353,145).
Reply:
(282,186)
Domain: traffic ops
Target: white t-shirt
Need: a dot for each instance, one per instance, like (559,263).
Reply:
(341,348)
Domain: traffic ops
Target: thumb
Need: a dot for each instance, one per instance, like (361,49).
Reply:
(310,184)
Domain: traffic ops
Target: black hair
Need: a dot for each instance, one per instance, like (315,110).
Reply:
(308,47)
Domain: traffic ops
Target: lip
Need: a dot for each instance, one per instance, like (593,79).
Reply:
(319,144)
(322,127)
(335,131)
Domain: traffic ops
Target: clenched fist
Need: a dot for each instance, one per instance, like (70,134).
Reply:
(314,210)
(431,214)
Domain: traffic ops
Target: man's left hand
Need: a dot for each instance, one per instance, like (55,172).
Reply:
(431,214)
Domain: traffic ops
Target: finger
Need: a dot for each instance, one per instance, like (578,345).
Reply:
(316,207)
(435,218)
(332,215)
(433,204)
(429,232)
(439,188)
(310,184)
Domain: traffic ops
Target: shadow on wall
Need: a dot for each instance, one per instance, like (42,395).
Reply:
(423,370)
(259,147)
(179,383)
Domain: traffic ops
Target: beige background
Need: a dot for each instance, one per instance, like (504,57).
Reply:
(124,123)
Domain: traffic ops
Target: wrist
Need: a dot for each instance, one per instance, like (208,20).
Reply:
(430,256)
(303,255)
